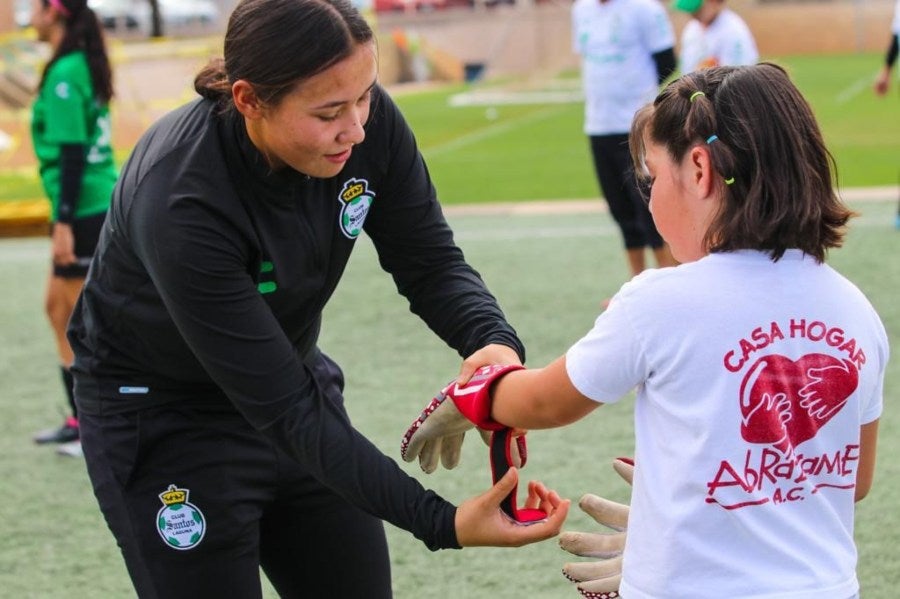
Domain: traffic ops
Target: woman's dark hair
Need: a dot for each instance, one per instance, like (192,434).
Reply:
(273,44)
(776,176)
(83,32)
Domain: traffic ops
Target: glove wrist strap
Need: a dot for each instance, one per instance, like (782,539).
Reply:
(501,460)
(473,400)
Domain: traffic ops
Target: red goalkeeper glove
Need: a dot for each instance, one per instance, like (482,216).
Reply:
(440,428)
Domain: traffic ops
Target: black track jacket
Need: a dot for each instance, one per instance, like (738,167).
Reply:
(212,272)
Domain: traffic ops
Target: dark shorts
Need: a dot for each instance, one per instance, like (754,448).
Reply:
(198,501)
(87,233)
(627,202)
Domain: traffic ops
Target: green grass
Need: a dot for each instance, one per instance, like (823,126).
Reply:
(16,186)
(861,129)
(538,152)
(25,184)
(548,271)
(501,153)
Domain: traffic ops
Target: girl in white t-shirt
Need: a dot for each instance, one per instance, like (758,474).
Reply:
(758,369)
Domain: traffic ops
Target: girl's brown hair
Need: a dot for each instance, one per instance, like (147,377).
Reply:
(776,177)
(273,44)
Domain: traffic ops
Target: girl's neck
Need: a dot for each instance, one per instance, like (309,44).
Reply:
(56,35)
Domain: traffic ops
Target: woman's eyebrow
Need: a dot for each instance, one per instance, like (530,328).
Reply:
(336,103)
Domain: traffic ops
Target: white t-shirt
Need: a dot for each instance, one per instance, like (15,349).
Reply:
(616,41)
(895,26)
(727,502)
(727,41)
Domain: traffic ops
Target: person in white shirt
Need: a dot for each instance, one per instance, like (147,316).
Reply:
(627,51)
(715,36)
(883,81)
(758,369)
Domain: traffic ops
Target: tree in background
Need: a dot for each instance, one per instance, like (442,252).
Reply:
(156,22)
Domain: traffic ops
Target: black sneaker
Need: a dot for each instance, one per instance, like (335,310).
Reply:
(67,433)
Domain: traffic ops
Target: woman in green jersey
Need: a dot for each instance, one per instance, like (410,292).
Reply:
(71,134)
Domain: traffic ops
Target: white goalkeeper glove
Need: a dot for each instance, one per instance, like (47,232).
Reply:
(600,579)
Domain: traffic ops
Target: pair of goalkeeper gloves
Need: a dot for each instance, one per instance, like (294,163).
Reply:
(437,436)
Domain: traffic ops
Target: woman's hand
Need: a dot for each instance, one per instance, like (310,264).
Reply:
(63,245)
(501,355)
(494,353)
(480,522)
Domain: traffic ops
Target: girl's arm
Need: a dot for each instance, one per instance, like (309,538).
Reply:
(868,435)
(539,398)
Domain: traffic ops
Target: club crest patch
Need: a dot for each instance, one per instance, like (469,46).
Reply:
(62,90)
(180,523)
(355,199)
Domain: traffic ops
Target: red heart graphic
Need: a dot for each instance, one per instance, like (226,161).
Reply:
(785,403)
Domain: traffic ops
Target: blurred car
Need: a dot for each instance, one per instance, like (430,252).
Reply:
(122,14)
(137,15)
(418,5)
(22,13)
(187,12)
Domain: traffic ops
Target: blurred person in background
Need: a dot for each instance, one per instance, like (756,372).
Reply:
(715,36)
(883,80)
(627,51)
(71,134)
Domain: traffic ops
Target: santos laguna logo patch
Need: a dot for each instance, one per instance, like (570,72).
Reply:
(180,524)
(355,199)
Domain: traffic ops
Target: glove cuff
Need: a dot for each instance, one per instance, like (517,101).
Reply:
(473,400)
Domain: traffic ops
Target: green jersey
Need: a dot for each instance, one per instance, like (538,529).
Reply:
(67,111)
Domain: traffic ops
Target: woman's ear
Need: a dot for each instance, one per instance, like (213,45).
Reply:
(246,100)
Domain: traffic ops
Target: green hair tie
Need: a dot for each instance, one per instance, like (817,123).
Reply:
(695,94)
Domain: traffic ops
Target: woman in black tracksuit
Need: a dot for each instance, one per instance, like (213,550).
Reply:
(213,427)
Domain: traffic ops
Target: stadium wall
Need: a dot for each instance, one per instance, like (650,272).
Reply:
(535,38)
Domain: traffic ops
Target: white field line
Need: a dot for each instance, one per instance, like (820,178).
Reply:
(490,131)
(35,249)
(854,89)
(505,98)
(525,233)
(511,231)
(888,193)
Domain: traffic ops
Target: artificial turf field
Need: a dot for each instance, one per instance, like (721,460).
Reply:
(550,271)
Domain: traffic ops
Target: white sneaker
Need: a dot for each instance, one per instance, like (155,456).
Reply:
(72,449)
